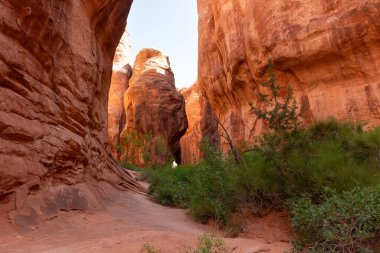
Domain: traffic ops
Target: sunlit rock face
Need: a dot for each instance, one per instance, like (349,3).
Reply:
(328,51)
(190,152)
(55,71)
(121,74)
(154,111)
(123,53)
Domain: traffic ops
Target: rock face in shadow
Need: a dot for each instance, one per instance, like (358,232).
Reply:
(154,110)
(328,51)
(203,124)
(55,70)
(121,74)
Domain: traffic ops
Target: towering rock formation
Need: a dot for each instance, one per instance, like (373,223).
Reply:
(55,70)
(190,152)
(123,53)
(203,124)
(328,51)
(121,73)
(154,109)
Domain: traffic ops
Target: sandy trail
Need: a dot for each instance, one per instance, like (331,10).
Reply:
(123,225)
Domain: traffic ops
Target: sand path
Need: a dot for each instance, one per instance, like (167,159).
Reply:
(124,226)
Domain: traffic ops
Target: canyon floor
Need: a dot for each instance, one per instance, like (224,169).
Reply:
(129,222)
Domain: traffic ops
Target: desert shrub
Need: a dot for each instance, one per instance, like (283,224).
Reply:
(329,154)
(133,143)
(347,222)
(254,189)
(203,188)
(303,163)
(171,186)
(280,113)
(212,196)
(208,243)
(160,146)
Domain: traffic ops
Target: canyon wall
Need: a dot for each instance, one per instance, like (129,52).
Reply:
(121,74)
(154,111)
(55,70)
(328,51)
(203,124)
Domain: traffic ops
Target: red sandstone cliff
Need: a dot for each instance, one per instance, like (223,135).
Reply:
(55,70)
(121,74)
(328,51)
(203,124)
(154,110)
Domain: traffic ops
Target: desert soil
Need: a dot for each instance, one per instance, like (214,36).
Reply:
(129,222)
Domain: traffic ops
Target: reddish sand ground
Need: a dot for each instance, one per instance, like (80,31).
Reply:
(129,222)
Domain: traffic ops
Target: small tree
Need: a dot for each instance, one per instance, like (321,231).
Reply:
(281,114)
(223,133)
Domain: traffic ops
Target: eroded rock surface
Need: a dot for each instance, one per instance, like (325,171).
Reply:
(121,74)
(328,51)
(203,124)
(55,70)
(154,110)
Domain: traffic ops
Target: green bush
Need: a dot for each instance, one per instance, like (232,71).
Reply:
(171,187)
(209,243)
(347,222)
(212,196)
(253,186)
(303,163)
(329,154)
(204,188)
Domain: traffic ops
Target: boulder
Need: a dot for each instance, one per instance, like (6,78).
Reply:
(154,111)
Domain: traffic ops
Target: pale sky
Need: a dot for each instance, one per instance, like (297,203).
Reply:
(170,26)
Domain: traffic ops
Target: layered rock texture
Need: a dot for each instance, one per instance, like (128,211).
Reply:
(328,51)
(55,70)
(154,110)
(121,74)
(203,123)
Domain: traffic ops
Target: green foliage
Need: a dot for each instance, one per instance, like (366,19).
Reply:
(145,146)
(333,155)
(171,187)
(160,146)
(281,114)
(347,222)
(212,196)
(329,154)
(131,143)
(204,188)
(134,143)
(253,187)
(209,243)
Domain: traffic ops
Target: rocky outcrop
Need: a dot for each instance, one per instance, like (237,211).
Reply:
(154,110)
(328,51)
(55,70)
(190,152)
(121,74)
(203,124)
(123,53)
